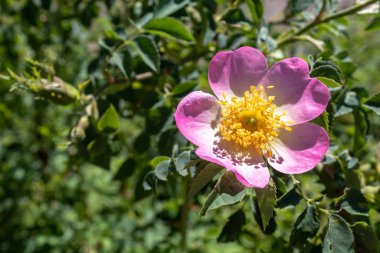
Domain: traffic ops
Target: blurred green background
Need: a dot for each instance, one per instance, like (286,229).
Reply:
(90,193)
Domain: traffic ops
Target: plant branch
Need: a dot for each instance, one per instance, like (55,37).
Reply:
(319,20)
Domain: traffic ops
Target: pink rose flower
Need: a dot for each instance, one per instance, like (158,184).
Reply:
(260,116)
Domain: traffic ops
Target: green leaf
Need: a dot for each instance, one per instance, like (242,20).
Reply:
(271,227)
(366,240)
(183,88)
(339,237)
(109,121)
(100,153)
(166,7)
(150,181)
(234,15)
(256,10)
(126,169)
(326,121)
(289,199)
(327,71)
(306,226)
(148,51)
(361,129)
(227,191)
(162,170)
(169,28)
(155,161)
(182,160)
(299,5)
(233,227)
(351,99)
(355,203)
(373,103)
(374,24)
(117,59)
(202,177)
(266,198)
(330,83)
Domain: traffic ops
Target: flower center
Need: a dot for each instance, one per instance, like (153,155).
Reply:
(251,121)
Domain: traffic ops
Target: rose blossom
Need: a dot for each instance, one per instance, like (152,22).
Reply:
(260,116)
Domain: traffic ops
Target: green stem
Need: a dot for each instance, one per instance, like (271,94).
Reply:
(319,20)
(185,215)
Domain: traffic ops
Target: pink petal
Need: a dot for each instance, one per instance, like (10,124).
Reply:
(197,116)
(250,168)
(302,97)
(300,150)
(232,72)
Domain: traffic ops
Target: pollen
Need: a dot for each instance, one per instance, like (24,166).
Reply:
(251,121)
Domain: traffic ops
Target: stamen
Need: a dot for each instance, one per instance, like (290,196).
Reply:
(251,121)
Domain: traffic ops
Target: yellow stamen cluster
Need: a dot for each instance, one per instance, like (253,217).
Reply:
(251,121)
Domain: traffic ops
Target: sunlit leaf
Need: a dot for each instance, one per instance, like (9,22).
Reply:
(109,121)
(170,28)
(166,7)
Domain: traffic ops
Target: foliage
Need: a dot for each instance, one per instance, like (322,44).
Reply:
(90,157)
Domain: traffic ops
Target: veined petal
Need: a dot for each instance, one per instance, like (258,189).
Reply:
(232,72)
(301,97)
(299,150)
(197,116)
(250,169)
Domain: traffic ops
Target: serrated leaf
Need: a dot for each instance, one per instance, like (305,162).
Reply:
(166,7)
(227,191)
(339,237)
(233,227)
(109,121)
(330,83)
(266,198)
(365,238)
(373,103)
(326,121)
(271,227)
(374,24)
(169,28)
(306,226)
(148,51)
(327,71)
(289,199)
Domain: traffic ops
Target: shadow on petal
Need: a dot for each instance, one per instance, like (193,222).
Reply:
(237,155)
